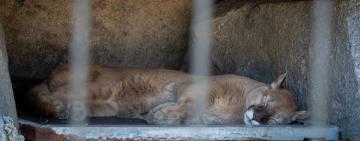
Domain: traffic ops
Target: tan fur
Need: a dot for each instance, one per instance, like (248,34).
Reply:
(164,97)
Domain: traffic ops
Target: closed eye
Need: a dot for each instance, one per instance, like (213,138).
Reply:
(250,107)
(260,108)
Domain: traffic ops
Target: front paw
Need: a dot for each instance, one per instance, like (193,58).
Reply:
(78,112)
(167,114)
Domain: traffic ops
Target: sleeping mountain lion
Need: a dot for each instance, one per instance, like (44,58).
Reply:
(162,96)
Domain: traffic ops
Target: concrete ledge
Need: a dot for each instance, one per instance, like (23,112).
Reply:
(33,131)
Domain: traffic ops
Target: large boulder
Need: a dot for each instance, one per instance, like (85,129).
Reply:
(124,33)
(262,39)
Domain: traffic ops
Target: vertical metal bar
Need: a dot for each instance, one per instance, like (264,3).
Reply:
(319,56)
(200,56)
(79,61)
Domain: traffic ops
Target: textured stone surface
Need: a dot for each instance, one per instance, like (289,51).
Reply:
(8,130)
(262,40)
(125,33)
(7,101)
(345,100)
(3,136)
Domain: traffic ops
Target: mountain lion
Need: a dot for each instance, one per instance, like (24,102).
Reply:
(163,96)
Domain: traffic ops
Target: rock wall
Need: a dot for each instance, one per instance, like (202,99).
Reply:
(125,33)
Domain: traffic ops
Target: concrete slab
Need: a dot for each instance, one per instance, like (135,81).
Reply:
(152,132)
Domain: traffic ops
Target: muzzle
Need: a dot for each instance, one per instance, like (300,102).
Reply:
(249,117)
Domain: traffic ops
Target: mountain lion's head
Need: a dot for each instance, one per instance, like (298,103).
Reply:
(272,105)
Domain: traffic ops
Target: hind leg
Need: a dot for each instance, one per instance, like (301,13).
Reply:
(47,103)
(167,113)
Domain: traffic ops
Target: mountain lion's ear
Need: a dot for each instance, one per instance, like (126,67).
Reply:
(300,115)
(276,84)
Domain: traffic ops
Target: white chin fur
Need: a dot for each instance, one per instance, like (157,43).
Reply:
(249,118)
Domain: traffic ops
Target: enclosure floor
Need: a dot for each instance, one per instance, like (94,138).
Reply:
(93,132)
